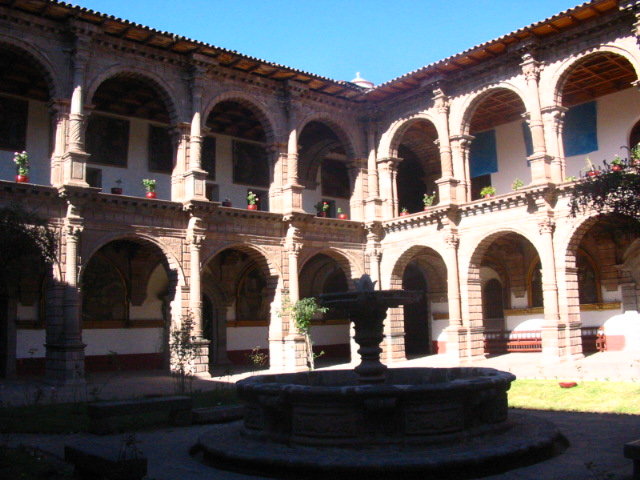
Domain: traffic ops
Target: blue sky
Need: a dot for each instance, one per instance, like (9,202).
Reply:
(381,39)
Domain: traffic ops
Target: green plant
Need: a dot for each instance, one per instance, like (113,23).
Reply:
(404,210)
(322,207)
(302,313)
(617,161)
(488,191)
(428,199)
(257,358)
(184,349)
(149,184)
(517,185)
(21,159)
(252,198)
(339,210)
(571,178)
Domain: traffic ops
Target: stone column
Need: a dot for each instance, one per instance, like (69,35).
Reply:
(540,162)
(60,124)
(388,171)
(455,333)
(180,142)
(292,190)
(64,364)
(553,118)
(75,158)
(374,252)
(373,202)
(461,146)
(195,238)
(295,357)
(447,185)
(195,176)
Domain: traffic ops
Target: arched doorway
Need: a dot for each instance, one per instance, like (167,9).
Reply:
(127,287)
(416,315)
(330,331)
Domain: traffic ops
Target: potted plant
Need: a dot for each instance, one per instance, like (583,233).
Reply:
(517,185)
(617,164)
(404,212)
(428,199)
(252,198)
(341,215)
(150,187)
(117,190)
(21,159)
(226,202)
(488,191)
(322,209)
(592,171)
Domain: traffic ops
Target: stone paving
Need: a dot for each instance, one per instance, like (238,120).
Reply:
(596,440)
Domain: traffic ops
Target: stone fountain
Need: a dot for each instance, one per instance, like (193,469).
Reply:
(372,422)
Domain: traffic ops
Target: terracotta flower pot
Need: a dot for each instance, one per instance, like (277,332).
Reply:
(322,214)
(616,168)
(116,190)
(152,194)
(22,178)
(488,195)
(404,214)
(226,204)
(252,207)
(343,216)
(568,384)
(593,173)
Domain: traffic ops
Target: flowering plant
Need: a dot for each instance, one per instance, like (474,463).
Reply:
(517,185)
(22,161)
(322,207)
(149,184)
(428,199)
(252,198)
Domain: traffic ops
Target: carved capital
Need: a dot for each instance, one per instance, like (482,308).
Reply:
(546,226)
(195,239)
(452,240)
(530,67)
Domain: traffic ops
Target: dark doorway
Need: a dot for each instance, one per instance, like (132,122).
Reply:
(416,315)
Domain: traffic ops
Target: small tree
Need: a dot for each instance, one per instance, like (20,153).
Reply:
(183,349)
(302,313)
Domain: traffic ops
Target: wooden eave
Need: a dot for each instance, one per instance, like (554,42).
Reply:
(165,41)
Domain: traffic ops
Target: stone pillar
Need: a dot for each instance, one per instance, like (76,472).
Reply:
(373,202)
(195,238)
(194,176)
(455,332)
(461,145)
(556,337)
(64,364)
(540,162)
(180,143)
(374,252)
(388,171)
(292,190)
(553,118)
(447,184)
(60,123)
(295,357)
(75,158)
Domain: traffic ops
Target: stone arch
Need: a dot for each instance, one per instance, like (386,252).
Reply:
(390,139)
(565,68)
(351,267)
(258,107)
(344,133)
(514,279)
(40,60)
(460,119)
(171,99)
(257,253)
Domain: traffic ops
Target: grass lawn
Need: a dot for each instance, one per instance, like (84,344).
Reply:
(598,397)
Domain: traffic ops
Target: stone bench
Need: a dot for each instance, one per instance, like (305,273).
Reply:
(96,464)
(102,414)
(632,451)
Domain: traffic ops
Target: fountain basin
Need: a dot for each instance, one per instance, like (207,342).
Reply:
(414,406)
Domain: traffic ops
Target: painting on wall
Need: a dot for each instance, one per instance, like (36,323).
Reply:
(250,164)
(107,140)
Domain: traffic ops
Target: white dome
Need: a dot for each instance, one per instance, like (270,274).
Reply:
(361,82)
